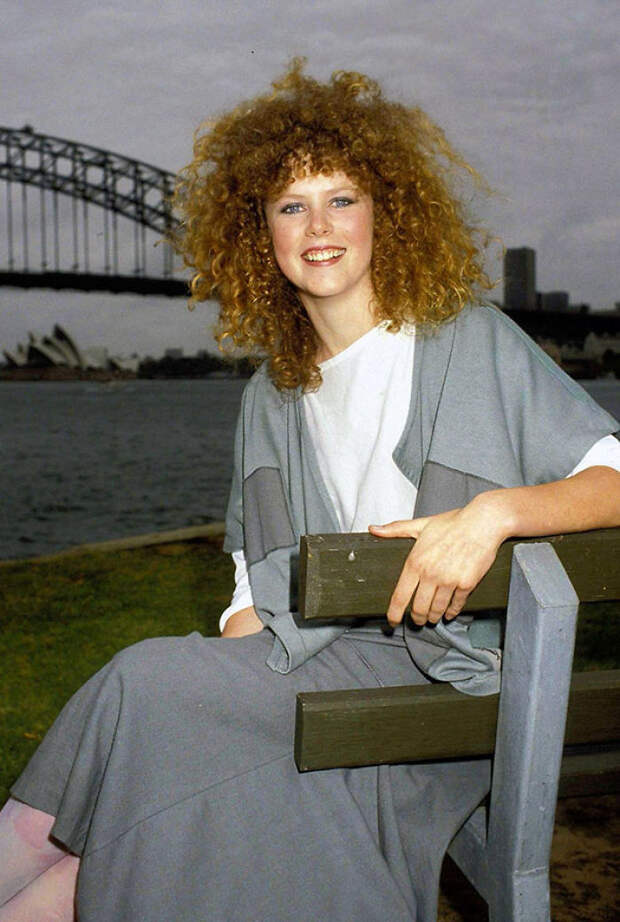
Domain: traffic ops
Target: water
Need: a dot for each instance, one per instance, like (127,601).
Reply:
(85,461)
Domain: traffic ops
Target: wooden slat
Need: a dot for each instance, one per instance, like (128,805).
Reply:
(344,576)
(587,773)
(428,722)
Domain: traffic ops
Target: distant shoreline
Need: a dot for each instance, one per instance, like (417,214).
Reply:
(56,373)
(61,373)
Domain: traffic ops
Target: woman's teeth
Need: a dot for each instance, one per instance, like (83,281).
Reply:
(317,256)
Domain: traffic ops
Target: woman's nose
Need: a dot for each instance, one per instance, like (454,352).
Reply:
(318,222)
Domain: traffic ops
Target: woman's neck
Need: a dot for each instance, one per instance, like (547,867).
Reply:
(338,325)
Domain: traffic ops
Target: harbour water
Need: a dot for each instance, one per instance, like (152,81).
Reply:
(84,461)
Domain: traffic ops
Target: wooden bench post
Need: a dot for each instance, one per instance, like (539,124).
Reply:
(508,862)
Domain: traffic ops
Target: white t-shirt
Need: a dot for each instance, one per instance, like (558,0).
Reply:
(355,420)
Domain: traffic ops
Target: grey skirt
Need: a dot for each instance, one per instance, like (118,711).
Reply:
(171,773)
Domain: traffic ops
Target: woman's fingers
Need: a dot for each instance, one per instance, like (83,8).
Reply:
(404,590)
(429,602)
(439,605)
(457,604)
(445,564)
(403,528)
(429,599)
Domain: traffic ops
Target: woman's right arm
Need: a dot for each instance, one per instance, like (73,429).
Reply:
(240,617)
(242,622)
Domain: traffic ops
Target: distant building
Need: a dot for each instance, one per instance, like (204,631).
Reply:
(59,349)
(124,362)
(520,279)
(554,301)
(40,351)
(96,357)
(596,346)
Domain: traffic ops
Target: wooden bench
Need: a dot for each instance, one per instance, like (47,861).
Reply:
(537,749)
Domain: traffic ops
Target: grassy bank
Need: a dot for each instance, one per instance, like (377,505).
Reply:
(62,619)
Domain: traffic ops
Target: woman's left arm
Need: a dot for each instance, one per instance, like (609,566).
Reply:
(454,549)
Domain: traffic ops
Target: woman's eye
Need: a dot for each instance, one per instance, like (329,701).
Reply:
(292,208)
(342,202)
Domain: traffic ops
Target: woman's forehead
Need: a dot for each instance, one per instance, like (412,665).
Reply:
(310,183)
(303,170)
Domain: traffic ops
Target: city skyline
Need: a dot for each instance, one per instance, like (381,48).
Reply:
(521,291)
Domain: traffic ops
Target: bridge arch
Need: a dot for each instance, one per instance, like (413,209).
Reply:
(123,188)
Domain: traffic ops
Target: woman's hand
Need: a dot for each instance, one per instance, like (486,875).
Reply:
(243,622)
(452,553)
(455,549)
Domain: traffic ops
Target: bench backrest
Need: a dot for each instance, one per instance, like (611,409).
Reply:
(353,575)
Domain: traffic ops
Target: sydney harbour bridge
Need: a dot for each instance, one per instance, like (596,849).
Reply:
(78,217)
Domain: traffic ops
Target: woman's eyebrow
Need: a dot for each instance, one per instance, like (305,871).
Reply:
(340,189)
(337,190)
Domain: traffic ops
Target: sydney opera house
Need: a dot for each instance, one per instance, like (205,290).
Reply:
(60,350)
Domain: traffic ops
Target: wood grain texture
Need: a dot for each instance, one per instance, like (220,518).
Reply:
(429,722)
(344,576)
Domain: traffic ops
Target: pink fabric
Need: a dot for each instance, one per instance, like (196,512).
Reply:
(37,876)
(49,898)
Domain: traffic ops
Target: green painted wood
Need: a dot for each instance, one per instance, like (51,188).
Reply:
(590,773)
(429,722)
(344,576)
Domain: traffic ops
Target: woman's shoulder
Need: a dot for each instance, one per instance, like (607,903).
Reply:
(499,348)
(261,392)
(485,326)
(487,316)
(472,319)
(478,328)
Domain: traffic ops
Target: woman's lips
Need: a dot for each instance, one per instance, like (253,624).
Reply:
(323,256)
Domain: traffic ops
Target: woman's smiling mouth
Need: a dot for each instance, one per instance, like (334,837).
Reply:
(323,255)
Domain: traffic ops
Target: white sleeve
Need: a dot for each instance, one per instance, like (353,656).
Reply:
(605,452)
(242,596)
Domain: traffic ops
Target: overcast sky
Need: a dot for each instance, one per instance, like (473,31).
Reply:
(527,90)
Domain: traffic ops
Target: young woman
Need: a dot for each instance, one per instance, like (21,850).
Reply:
(322,218)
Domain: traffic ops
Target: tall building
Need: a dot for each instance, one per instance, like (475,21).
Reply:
(520,279)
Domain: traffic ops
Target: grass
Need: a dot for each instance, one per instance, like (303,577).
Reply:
(62,619)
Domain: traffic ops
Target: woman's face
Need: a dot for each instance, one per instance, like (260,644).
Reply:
(321,228)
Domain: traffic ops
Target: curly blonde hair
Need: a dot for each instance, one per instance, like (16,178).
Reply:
(426,264)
